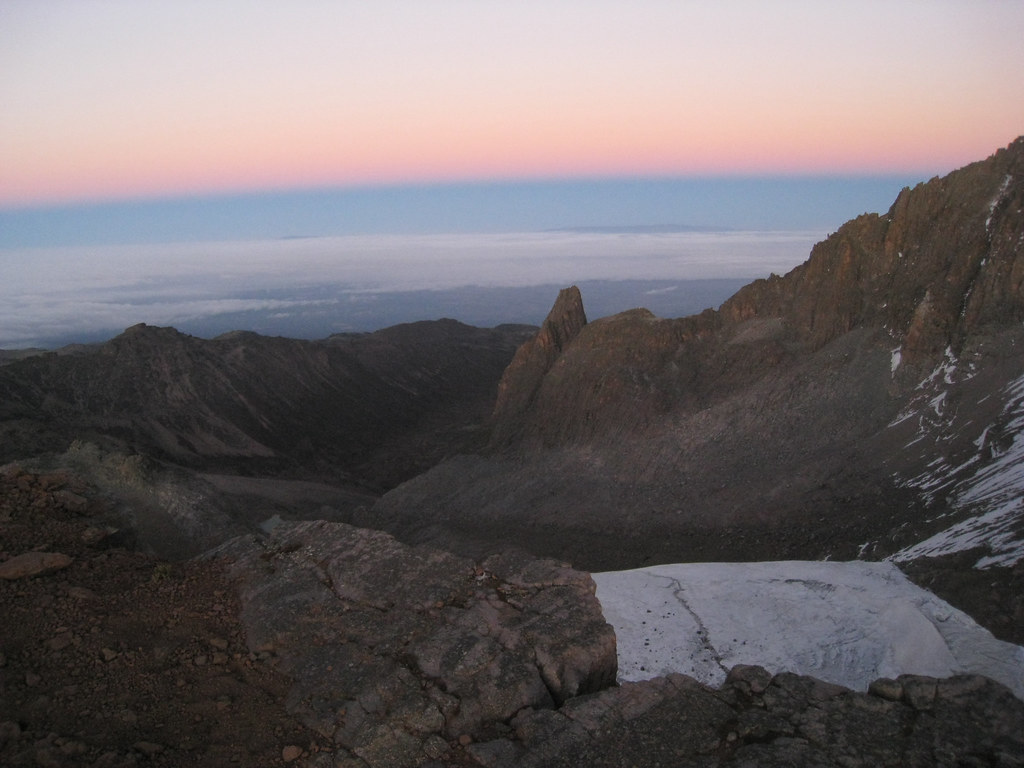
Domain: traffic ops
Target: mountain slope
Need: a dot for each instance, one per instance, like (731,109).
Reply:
(776,427)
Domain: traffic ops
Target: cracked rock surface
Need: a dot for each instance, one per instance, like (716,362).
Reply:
(397,652)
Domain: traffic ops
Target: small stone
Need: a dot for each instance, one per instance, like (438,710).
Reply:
(435,747)
(81,593)
(71,501)
(108,654)
(465,740)
(886,688)
(219,643)
(61,641)
(148,747)
(33,564)
(291,753)
(919,691)
(751,678)
(200,660)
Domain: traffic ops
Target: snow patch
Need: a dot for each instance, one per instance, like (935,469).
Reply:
(996,200)
(844,622)
(988,488)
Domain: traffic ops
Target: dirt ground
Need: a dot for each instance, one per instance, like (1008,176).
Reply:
(119,659)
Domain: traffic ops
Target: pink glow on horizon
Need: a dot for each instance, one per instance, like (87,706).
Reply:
(167,169)
(125,100)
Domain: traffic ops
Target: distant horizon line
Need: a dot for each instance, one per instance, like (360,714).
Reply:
(412,185)
(750,203)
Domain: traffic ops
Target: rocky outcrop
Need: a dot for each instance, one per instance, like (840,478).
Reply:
(394,650)
(789,424)
(945,262)
(30,564)
(353,650)
(759,720)
(943,265)
(525,374)
(401,655)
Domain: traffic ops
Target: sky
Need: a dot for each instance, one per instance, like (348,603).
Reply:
(129,128)
(232,102)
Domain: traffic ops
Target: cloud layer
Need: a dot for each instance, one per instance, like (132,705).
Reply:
(86,292)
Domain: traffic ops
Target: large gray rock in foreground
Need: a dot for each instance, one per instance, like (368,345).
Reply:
(396,651)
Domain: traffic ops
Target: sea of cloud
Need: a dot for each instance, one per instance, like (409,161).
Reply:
(315,286)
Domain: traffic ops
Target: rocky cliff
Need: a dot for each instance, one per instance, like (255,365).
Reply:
(943,266)
(525,374)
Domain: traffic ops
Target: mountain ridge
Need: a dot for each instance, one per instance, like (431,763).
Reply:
(775,427)
(263,404)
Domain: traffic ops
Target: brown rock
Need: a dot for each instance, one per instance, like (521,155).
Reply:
(352,614)
(61,641)
(33,564)
(525,374)
(71,501)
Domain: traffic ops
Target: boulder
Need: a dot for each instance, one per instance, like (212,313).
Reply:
(390,646)
(33,564)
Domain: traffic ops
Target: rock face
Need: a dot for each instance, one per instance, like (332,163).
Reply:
(944,263)
(525,374)
(396,650)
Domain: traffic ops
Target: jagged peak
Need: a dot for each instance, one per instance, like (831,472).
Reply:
(936,267)
(565,320)
(524,375)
